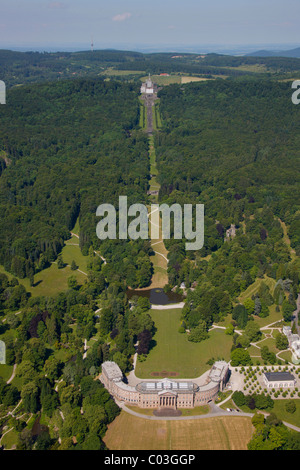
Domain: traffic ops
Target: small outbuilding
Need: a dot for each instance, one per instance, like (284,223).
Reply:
(279,380)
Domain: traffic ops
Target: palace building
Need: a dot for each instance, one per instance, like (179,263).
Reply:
(148,87)
(294,343)
(164,393)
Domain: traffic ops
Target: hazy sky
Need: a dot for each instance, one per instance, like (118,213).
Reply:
(153,22)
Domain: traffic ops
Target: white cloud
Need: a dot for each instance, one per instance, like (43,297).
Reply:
(122,17)
(56,5)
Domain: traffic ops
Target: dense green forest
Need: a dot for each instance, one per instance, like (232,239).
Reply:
(66,148)
(24,67)
(70,147)
(234,147)
(210,64)
(45,341)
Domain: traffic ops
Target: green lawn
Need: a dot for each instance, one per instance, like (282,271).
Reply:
(76,229)
(52,280)
(174,353)
(72,252)
(10,439)
(286,356)
(253,288)
(272,318)
(281,413)
(5,371)
(111,72)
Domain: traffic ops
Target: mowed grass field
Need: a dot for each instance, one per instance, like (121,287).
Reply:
(5,371)
(253,288)
(52,280)
(128,432)
(111,72)
(173,352)
(165,80)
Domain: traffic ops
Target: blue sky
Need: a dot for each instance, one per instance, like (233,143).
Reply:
(133,23)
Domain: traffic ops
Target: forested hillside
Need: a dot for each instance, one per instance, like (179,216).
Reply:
(234,147)
(28,67)
(67,148)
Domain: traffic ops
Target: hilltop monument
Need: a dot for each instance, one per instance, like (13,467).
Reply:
(148,87)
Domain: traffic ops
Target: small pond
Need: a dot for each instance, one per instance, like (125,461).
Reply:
(156,296)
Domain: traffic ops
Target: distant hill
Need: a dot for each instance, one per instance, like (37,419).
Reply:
(293,53)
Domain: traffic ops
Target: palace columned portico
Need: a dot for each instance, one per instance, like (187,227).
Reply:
(167,400)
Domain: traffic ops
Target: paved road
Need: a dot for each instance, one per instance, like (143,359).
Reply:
(167,307)
(214,412)
(12,375)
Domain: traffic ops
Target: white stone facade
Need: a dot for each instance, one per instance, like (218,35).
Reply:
(279,380)
(294,343)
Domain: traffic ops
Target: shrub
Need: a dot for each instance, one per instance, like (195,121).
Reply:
(290,406)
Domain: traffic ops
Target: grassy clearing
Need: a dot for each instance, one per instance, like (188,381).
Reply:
(164,80)
(281,413)
(255,354)
(253,289)
(287,240)
(5,371)
(197,411)
(76,229)
(10,439)
(159,278)
(255,68)
(128,432)
(73,252)
(52,280)
(111,72)
(272,318)
(174,353)
(286,356)
(194,79)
